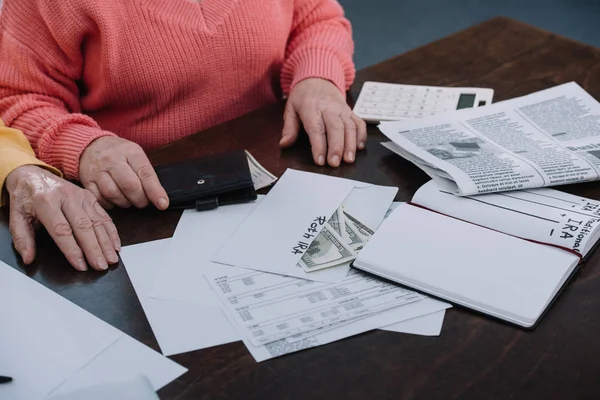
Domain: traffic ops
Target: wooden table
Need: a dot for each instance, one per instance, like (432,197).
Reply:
(474,357)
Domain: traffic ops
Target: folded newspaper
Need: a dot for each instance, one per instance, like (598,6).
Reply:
(547,138)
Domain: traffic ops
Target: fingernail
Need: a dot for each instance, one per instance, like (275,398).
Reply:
(162,203)
(361,145)
(24,255)
(117,245)
(82,265)
(335,161)
(112,257)
(102,263)
(321,160)
(350,156)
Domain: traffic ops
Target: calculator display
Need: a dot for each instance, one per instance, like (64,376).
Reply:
(465,101)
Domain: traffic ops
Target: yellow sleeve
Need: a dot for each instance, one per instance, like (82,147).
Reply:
(15,151)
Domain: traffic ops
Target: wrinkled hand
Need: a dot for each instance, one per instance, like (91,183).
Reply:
(334,130)
(118,172)
(71,215)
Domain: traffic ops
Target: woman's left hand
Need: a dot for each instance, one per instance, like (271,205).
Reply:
(335,132)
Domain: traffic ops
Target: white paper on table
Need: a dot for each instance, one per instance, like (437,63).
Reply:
(427,325)
(181,278)
(125,358)
(137,388)
(410,318)
(179,326)
(197,237)
(280,229)
(269,307)
(45,340)
(391,316)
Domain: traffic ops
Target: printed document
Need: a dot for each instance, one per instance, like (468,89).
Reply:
(542,215)
(270,307)
(547,138)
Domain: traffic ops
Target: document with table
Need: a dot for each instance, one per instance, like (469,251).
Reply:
(179,322)
(268,307)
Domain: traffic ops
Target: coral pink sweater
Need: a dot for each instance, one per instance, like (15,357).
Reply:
(153,71)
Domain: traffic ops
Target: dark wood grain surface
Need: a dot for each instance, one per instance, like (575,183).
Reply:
(474,357)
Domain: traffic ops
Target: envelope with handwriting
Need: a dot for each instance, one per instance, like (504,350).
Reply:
(277,233)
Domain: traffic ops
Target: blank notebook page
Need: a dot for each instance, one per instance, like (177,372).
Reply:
(492,272)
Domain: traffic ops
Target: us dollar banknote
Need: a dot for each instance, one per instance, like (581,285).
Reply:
(328,249)
(337,222)
(355,239)
(359,232)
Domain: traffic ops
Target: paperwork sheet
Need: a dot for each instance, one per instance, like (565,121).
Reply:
(270,307)
(47,341)
(137,388)
(361,325)
(427,325)
(182,280)
(178,325)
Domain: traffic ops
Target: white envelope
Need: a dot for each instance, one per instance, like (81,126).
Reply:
(281,228)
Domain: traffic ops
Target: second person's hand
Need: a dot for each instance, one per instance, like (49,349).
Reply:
(71,215)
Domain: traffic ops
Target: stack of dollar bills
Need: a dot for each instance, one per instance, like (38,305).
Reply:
(342,237)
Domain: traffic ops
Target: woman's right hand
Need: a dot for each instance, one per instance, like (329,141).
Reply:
(118,172)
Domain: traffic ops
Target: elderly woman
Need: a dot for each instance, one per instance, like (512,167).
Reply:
(71,215)
(95,83)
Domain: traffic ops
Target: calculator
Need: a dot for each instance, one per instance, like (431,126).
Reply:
(380,101)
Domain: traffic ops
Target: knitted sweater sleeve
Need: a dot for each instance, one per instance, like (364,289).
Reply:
(319,46)
(40,67)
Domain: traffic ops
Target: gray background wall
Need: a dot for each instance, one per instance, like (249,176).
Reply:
(384,28)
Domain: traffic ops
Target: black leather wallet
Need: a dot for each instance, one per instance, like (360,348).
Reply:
(205,183)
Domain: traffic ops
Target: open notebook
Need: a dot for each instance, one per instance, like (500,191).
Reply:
(506,255)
